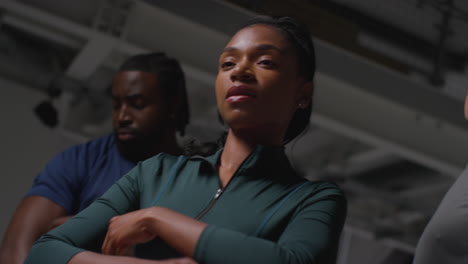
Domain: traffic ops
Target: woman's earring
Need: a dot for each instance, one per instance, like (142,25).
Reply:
(301,105)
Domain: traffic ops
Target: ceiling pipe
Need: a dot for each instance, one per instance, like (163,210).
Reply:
(437,77)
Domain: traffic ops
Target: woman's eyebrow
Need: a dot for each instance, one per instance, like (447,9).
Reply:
(261,47)
(269,47)
(230,49)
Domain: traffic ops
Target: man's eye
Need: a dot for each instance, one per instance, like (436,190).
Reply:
(138,105)
(115,105)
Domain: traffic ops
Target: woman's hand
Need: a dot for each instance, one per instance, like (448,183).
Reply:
(126,231)
(177,261)
(177,230)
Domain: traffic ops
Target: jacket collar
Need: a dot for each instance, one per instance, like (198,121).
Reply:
(262,157)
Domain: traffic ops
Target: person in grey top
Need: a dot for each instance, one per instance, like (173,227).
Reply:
(445,238)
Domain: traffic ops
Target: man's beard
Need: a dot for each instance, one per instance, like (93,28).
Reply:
(136,149)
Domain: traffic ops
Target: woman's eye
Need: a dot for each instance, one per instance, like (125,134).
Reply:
(268,63)
(227,64)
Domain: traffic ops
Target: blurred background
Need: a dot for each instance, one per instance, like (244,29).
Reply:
(387,125)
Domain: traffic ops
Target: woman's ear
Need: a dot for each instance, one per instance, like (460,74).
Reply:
(305,94)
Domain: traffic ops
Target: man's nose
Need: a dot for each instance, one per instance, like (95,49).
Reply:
(124,116)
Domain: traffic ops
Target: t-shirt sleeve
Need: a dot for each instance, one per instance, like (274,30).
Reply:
(311,236)
(86,230)
(59,181)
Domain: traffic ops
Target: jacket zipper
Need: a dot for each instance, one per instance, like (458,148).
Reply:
(211,204)
(221,190)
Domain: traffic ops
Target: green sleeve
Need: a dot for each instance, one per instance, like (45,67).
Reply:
(311,237)
(86,231)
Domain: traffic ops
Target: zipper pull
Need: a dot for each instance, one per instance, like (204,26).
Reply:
(218,193)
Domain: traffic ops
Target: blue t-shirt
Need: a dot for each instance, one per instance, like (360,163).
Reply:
(81,174)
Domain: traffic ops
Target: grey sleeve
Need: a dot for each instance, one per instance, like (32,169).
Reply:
(445,238)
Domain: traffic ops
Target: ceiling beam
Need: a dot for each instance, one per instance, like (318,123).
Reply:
(91,57)
(354,97)
(383,122)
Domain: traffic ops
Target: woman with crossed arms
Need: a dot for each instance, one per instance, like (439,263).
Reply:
(244,204)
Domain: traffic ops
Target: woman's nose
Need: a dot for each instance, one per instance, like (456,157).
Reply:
(242,72)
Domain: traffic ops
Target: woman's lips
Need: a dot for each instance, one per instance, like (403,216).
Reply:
(240,93)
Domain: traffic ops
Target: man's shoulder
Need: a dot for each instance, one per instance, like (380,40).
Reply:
(89,150)
(101,144)
(104,142)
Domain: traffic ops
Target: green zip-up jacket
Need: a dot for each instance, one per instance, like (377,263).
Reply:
(266,213)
